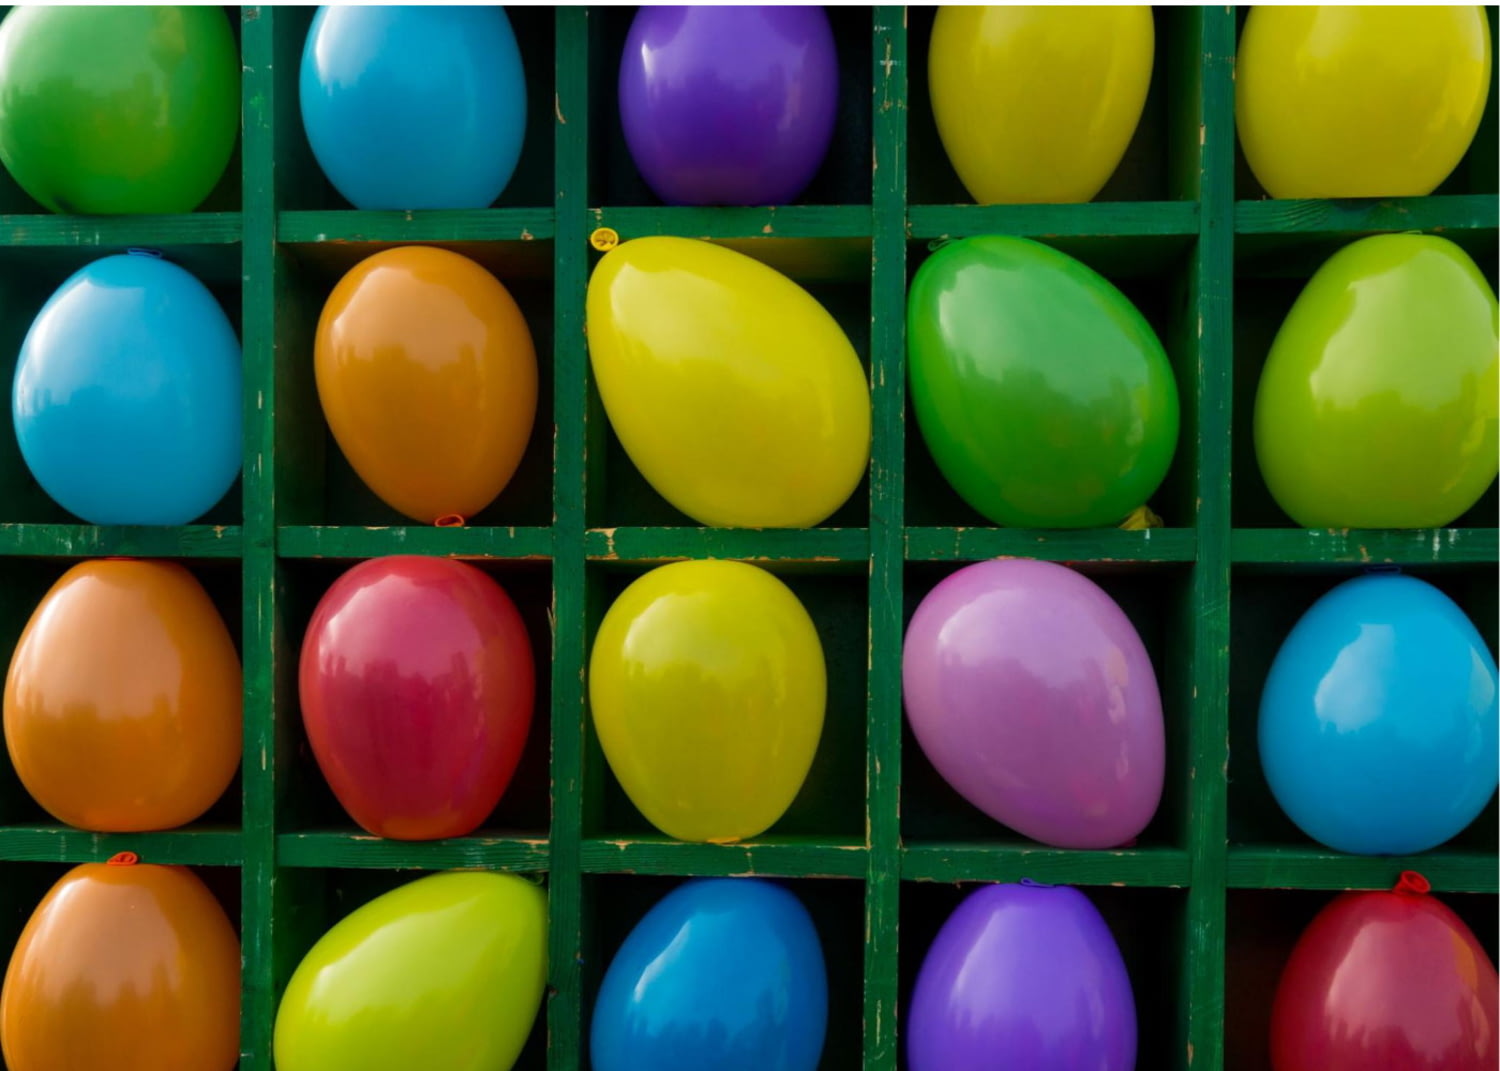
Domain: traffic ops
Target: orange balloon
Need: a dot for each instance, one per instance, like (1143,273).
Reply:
(124,968)
(122,705)
(427,375)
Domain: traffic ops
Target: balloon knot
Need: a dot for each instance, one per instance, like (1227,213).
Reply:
(1141,518)
(450,520)
(604,239)
(1035,884)
(137,251)
(1412,884)
(1382,569)
(123,859)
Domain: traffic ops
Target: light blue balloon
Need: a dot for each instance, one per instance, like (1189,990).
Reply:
(723,973)
(1378,724)
(126,398)
(414,107)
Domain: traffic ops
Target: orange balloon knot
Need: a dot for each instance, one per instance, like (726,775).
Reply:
(123,859)
(1412,884)
(450,520)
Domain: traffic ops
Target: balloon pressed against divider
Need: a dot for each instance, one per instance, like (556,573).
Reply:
(122,702)
(736,394)
(1377,406)
(707,686)
(1009,141)
(1360,101)
(428,377)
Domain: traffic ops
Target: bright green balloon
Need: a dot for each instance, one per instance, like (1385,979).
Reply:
(1377,404)
(118,110)
(1044,396)
(445,974)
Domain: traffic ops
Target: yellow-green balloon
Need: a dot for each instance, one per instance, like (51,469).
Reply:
(444,973)
(1377,406)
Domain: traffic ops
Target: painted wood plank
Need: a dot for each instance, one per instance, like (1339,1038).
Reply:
(1255,867)
(332,541)
(750,544)
(987,861)
(1092,544)
(343,849)
(1346,546)
(774,221)
(121,232)
(1438,215)
(93,541)
(204,846)
(764,857)
(1114,219)
(428,225)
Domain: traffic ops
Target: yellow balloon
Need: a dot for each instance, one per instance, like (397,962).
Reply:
(736,394)
(707,685)
(1360,101)
(1038,104)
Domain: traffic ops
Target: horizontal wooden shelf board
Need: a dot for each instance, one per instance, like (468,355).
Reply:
(1092,544)
(750,544)
(793,857)
(317,541)
(967,861)
(1355,546)
(1254,867)
(92,541)
(1115,219)
(1468,212)
(362,851)
(782,221)
(152,232)
(206,846)
(466,225)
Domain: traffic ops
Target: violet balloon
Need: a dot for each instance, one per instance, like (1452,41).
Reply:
(1030,691)
(728,105)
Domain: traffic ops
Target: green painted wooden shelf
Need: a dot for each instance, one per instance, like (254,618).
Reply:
(1310,868)
(804,857)
(478,225)
(362,851)
(335,541)
(92,541)
(194,846)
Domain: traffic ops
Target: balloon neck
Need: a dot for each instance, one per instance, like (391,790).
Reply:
(1412,884)
(450,520)
(1371,569)
(1035,884)
(136,251)
(1140,519)
(123,859)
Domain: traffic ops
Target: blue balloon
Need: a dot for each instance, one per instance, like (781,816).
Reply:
(126,398)
(1378,724)
(414,107)
(723,973)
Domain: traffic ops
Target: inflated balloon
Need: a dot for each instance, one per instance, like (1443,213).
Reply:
(126,398)
(708,686)
(1379,722)
(127,967)
(729,105)
(733,391)
(724,973)
(417,684)
(1011,144)
(1377,406)
(1359,101)
(1387,980)
(1030,971)
(427,375)
(445,972)
(118,110)
(1029,690)
(392,129)
(122,703)
(1043,394)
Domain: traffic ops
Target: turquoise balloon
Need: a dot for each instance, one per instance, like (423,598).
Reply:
(1043,394)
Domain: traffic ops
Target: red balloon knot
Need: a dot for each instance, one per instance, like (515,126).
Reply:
(1413,884)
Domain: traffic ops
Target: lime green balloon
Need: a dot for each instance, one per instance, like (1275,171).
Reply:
(118,110)
(1042,393)
(444,973)
(1377,405)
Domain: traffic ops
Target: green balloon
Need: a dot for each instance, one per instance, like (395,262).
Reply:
(1377,404)
(1043,394)
(118,110)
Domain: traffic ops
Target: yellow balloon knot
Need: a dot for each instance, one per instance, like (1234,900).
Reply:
(1141,518)
(604,239)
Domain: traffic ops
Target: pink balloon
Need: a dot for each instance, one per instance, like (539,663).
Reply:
(1031,693)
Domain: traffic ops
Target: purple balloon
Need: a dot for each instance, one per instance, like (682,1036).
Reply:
(728,105)
(1024,976)
(1031,693)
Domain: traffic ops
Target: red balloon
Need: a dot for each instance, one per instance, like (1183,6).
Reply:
(1386,980)
(417,684)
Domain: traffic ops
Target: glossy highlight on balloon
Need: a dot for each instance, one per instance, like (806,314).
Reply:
(1360,101)
(391,128)
(736,395)
(417,682)
(708,687)
(129,967)
(122,701)
(1013,144)
(729,105)
(1379,400)
(724,973)
(1379,723)
(1030,692)
(447,971)
(428,378)
(1044,396)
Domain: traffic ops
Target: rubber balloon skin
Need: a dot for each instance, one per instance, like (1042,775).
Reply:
(1013,145)
(1377,406)
(122,702)
(126,397)
(729,105)
(736,394)
(393,130)
(445,972)
(708,688)
(417,682)
(1360,101)
(1028,971)
(724,973)
(126,967)
(1031,693)
(1379,721)
(1386,979)
(427,375)
(1044,396)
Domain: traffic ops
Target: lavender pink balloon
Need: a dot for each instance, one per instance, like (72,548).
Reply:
(1031,693)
